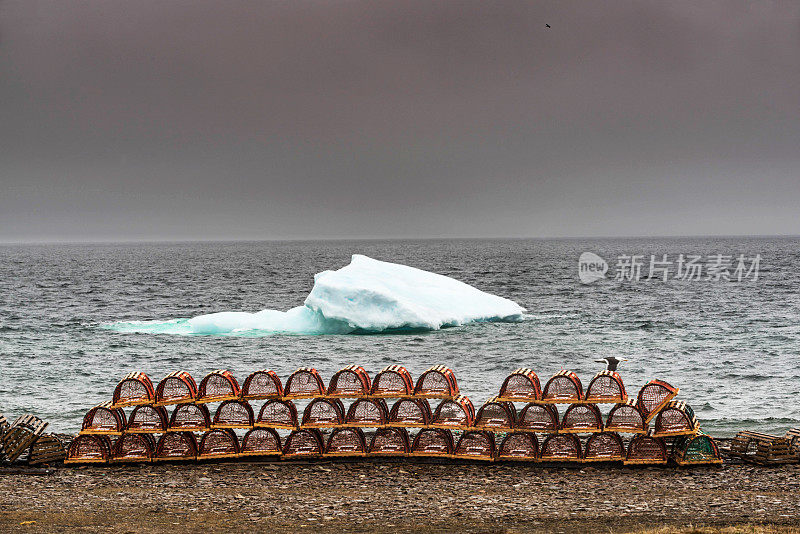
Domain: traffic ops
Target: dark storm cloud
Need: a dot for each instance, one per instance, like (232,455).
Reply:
(304,119)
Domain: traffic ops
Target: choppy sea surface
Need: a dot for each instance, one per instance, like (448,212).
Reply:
(732,347)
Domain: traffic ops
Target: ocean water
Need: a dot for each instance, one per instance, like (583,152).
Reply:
(732,347)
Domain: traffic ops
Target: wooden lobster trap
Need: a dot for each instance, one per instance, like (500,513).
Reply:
(793,435)
(390,442)
(456,413)
(133,448)
(277,413)
(521,385)
(675,419)
(519,447)
(371,413)
(433,442)
(438,382)
(653,396)
(346,442)
(410,413)
(696,450)
(190,418)
(148,419)
(762,449)
(305,383)
(563,387)
(89,448)
(392,381)
(645,449)
(47,449)
(349,382)
(176,388)
(538,418)
(475,445)
(20,435)
(104,419)
(604,447)
(304,443)
(263,384)
(496,415)
(626,418)
(581,419)
(323,413)
(218,443)
(217,386)
(234,414)
(606,387)
(176,446)
(261,442)
(561,448)
(133,390)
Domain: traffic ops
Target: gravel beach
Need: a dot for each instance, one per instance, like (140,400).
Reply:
(369,496)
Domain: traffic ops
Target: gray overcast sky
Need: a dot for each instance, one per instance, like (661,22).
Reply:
(304,119)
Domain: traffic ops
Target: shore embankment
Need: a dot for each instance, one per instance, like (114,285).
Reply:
(405,496)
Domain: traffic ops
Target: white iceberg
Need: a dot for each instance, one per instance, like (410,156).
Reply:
(366,296)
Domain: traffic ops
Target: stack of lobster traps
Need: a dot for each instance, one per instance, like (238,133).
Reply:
(563,423)
(24,441)
(390,415)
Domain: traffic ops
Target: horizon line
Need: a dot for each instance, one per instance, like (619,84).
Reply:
(124,241)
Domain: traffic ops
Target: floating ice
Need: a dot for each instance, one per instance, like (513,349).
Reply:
(366,296)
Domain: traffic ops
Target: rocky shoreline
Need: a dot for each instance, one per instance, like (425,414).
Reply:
(403,496)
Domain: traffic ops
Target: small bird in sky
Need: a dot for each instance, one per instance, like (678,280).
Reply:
(547,25)
(611,363)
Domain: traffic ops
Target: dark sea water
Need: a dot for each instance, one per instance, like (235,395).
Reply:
(732,347)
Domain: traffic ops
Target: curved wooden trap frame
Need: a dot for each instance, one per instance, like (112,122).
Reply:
(261,442)
(561,448)
(519,447)
(581,419)
(538,418)
(234,414)
(176,446)
(521,385)
(653,396)
(475,445)
(626,418)
(438,382)
(390,442)
(371,413)
(323,413)
(349,382)
(277,413)
(345,442)
(305,383)
(456,414)
(606,387)
(176,388)
(190,418)
(410,413)
(647,450)
(604,447)
(496,415)
(218,386)
(563,388)
(263,384)
(304,443)
(148,420)
(393,381)
(104,419)
(134,390)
